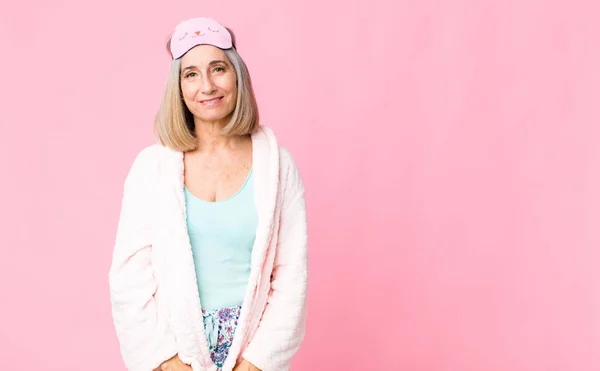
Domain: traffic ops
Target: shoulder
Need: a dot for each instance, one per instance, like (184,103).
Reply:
(144,160)
(288,170)
(286,160)
(147,163)
(267,135)
(291,185)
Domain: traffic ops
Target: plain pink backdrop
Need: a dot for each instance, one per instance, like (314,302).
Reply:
(450,150)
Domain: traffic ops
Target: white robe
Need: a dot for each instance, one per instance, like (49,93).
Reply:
(155,303)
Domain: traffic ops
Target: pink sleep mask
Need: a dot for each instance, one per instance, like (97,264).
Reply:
(198,31)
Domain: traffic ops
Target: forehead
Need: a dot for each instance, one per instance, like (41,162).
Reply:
(202,55)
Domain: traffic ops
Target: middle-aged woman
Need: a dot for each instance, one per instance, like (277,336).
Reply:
(209,268)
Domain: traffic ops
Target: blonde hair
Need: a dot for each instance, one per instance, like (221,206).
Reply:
(174,123)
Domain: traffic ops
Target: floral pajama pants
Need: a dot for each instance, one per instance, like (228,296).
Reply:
(220,325)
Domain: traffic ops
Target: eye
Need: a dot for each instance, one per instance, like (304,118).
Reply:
(190,74)
(212,30)
(219,69)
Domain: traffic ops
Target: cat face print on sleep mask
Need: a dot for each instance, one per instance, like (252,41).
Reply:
(199,31)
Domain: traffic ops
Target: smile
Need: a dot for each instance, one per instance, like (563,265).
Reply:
(211,102)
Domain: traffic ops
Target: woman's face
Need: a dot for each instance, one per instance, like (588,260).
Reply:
(208,84)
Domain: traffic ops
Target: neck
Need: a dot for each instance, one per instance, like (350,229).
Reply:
(210,139)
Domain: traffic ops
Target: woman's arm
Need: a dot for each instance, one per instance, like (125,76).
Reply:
(281,329)
(144,337)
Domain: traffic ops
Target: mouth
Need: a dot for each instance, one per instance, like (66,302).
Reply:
(213,101)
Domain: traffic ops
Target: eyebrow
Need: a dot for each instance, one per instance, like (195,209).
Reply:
(212,63)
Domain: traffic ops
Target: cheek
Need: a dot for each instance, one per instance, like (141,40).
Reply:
(234,93)
(187,90)
(229,85)
(233,90)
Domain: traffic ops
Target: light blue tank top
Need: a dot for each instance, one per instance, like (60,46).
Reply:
(222,234)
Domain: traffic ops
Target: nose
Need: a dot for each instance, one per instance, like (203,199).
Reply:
(207,85)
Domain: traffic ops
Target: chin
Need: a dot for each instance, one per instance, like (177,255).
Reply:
(215,117)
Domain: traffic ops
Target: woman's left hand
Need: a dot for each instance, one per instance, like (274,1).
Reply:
(245,366)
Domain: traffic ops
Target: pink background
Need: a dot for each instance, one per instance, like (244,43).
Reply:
(450,151)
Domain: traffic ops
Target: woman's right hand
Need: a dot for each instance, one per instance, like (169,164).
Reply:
(174,364)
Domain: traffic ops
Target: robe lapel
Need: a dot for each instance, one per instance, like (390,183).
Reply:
(265,152)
